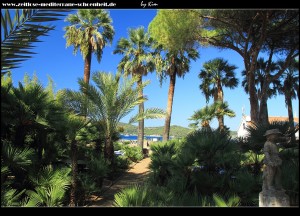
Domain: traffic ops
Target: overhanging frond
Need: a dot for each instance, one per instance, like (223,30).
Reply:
(151,113)
(21,28)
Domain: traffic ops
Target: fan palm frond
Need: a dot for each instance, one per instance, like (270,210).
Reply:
(16,157)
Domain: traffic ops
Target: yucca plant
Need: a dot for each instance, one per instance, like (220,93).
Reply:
(21,28)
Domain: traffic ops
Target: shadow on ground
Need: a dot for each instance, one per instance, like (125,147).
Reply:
(136,175)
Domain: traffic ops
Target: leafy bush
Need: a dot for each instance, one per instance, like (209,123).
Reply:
(122,162)
(162,161)
(88,184)
(290,174)
(133,153)
(98,169)
(147,195)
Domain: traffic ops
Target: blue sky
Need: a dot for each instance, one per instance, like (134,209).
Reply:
(57,61)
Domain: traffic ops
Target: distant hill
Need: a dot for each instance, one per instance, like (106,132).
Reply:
(176,131)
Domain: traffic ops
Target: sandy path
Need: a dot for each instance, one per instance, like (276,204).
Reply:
(134,175)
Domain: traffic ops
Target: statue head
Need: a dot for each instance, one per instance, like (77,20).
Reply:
(272,134)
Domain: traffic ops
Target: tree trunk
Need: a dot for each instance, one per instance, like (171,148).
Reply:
(42,139)
(87,65)
(291,115)
(263,112)
(20,136)
(220,98)
(98,149)
(254,107)
(166,134)
(73,198)
(109,150)
(141,111)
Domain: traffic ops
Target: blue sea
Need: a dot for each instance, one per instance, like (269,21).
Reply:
(134,137)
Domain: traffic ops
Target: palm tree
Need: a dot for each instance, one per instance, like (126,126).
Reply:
(203,116)
(138,61)
(206,114)
(222,109)
(214,75)
(290,88)
(264,69)
(75,123)
(90,30)
(21,28)
(114,100)
(176,63)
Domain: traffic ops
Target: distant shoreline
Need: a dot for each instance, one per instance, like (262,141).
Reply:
(134,137)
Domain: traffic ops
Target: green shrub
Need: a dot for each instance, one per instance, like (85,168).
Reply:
(50,187)
(133,153)
(122,162)
(98,169)
(118,146)
(162,161)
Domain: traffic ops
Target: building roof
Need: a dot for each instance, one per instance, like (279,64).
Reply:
(276,118)
(281,118)
(272,119)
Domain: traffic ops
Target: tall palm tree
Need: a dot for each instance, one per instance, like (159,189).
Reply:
(175,64)
(21,28)
(90,30)
(263,70)
(138,61)
(290,88)
(214,75)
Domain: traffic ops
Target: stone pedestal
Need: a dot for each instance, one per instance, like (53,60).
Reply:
(273,198)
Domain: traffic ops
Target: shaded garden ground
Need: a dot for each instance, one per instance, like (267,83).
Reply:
(135,175)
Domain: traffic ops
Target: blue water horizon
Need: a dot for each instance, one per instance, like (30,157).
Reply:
(134,137)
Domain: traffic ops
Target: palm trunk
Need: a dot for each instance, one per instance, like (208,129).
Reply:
(263,112)
(291,115)
(73,198)
(253,97)
(42,139)
(166,134)
(87,73)
(141,110)
(109,150)
(220,98)
(87,66)
(20,136)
